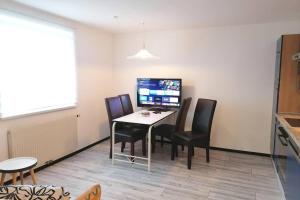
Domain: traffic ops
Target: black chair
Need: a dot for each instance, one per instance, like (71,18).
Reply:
(167,130)
(126,103)
(128,109)
(201,128)
(123,132)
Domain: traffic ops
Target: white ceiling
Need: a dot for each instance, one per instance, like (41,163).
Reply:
(169,14)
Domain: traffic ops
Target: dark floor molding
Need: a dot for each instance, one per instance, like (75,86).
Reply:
(230,150)
(59,160)
(240,151)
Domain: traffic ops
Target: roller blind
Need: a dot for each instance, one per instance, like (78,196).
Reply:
(37,66)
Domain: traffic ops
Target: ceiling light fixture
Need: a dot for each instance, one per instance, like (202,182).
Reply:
(143,53)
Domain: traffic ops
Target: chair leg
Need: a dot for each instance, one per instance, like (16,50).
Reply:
(193,151)
(162,141)
(173,151)
(2,179)
(132,150)
(207,154)
(22,178)
(144,146)
(110,150)
(33,177)
(176,150)
(189,161)
(182,147)
(153,143)
(14,178)
(123,146)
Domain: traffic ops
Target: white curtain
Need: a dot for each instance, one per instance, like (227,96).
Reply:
(37,66)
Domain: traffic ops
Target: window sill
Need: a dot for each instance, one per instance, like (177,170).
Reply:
(37,112)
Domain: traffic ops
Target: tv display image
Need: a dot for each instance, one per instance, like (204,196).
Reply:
(158,92)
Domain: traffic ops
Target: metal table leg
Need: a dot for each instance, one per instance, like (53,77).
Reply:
(149,148)
(113,142)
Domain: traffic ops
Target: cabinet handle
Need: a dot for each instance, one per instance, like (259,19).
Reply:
(294,151)
(281,141)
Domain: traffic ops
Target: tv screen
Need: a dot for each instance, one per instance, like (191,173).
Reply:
(158,92)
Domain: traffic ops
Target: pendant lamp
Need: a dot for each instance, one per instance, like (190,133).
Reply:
(143,53)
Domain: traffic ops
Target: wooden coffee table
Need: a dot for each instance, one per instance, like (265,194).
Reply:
(18,165)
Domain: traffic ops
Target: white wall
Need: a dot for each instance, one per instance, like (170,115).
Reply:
(94,71)
(234,65)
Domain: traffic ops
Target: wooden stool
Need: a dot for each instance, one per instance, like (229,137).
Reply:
(18,165)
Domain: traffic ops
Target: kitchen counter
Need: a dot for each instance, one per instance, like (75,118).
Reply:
(294,132)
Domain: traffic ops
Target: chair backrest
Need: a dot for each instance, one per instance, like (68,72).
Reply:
(183,111)
(126,103)
(203,117)
(114,108)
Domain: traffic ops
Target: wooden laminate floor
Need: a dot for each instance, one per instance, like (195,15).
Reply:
(228,176)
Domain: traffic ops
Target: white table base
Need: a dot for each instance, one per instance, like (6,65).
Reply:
(130,157)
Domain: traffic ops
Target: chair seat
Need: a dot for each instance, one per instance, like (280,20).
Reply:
(130,126)
(131,134)
(165,130)
(189,137)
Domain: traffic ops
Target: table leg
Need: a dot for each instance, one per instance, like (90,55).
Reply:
(33,176)
(113,142)
(2,178)
(22,178)
(149,147)
(14,178)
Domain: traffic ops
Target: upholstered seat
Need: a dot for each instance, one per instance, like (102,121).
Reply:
(165,130)
(190,137)
(129,136)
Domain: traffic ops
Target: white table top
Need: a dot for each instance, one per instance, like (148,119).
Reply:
(138,118)
(17,164)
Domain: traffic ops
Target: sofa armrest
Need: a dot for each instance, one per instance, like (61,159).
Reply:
(93,193)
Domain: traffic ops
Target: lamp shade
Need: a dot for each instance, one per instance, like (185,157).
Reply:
(143,54)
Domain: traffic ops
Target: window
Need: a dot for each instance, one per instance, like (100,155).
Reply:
(37,66)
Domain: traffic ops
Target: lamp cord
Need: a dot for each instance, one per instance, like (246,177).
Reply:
(143,34)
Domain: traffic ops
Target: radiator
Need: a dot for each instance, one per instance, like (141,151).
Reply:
(46,141)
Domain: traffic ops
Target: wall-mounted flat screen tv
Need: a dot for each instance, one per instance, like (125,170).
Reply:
(159,92)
